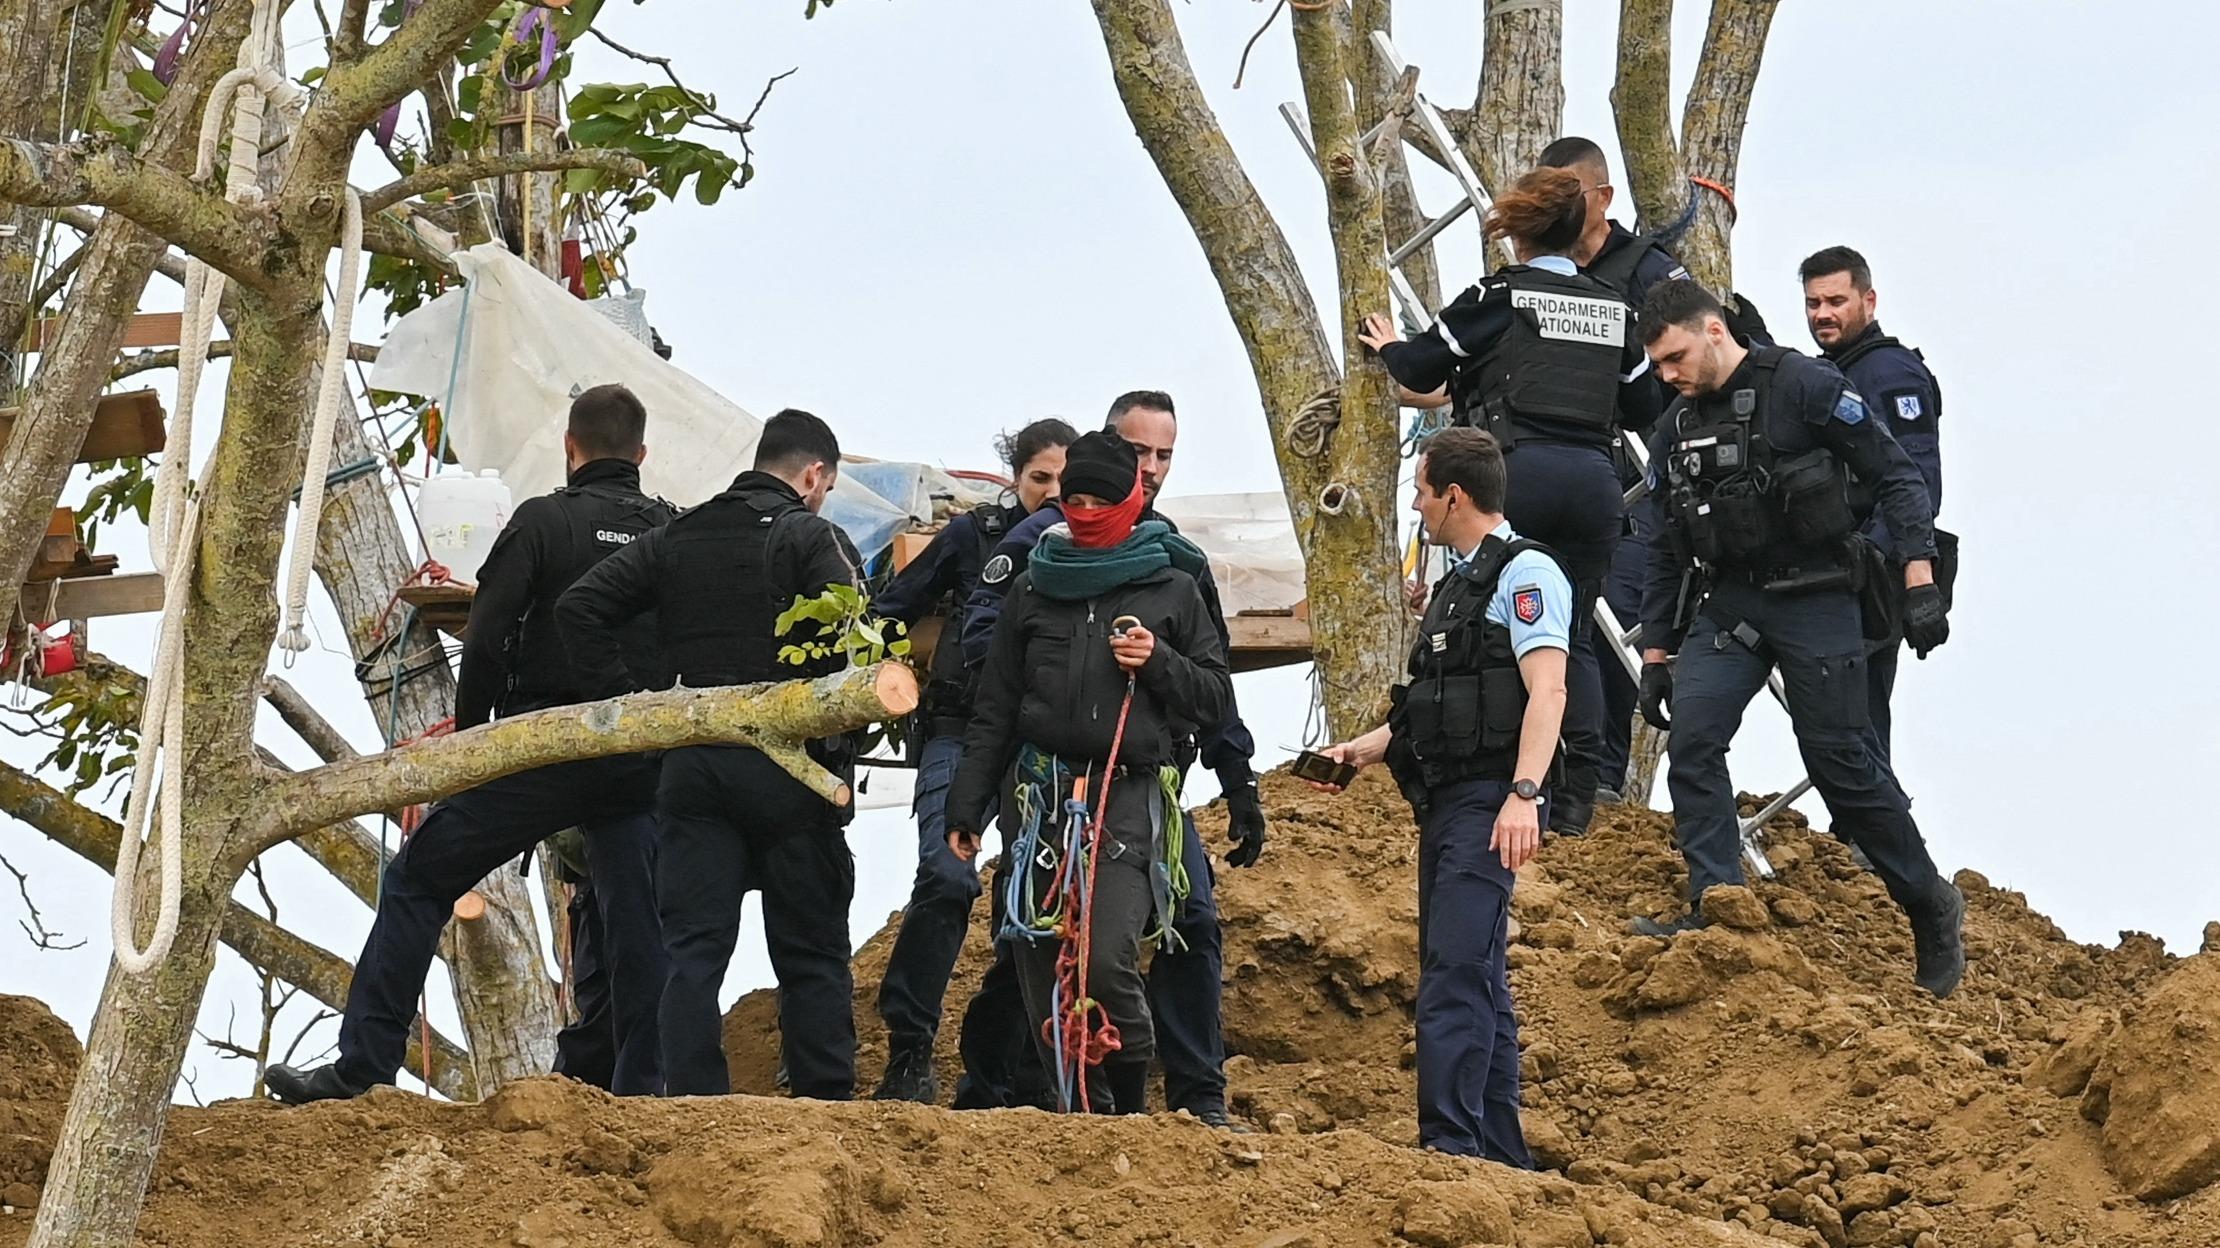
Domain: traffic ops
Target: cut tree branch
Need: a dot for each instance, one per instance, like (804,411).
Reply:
(479,168)
(167,357)
(774,718)
(160,200)
(317,971)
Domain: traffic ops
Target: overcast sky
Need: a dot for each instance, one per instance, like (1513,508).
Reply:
(953,231)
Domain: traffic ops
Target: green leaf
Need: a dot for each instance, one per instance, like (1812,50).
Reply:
(707,190)
(148,86)
(580,181)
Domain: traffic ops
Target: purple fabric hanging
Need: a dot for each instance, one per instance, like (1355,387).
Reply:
(534,19)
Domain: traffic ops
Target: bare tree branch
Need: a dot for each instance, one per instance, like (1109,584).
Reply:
(356,92)
(702,103)
(386,235)
(774,718)
(306,721)
(347,38)
(167,357)
(42,936)
(319,972)
(478,168)
(158,199)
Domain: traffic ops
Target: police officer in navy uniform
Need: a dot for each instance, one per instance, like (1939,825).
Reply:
(1757,463)
(513,661)
(1839,302)
(717,578)
(1185,985)
(1544,358)
(932,932)
(1470,741)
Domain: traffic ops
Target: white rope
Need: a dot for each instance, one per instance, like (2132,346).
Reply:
(174,530)
(329,397)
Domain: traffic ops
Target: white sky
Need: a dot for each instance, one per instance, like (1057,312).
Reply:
(953,231)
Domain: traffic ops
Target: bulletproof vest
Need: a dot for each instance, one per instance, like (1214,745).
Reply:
(1459,717)
(1555,372)
(598,519)
(720,605)
(948,692)
(1737,504)
(1616,268)
(1867,346)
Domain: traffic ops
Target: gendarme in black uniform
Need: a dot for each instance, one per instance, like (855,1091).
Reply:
(513,661)
(717,578)
(1547,360)
(1755,482)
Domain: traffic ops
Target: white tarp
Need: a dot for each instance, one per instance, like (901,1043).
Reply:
(1251,543)
(526,347)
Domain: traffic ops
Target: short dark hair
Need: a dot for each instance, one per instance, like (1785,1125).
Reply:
(1572,150)
(1018,449)
(1683,302)
(793,440)
(1828,260)
(608,422)
(1470,459)
(1154,400)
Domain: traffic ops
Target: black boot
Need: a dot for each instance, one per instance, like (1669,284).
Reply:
(1937,937)
(1129,1086)
(1667,928)
(909,1073)
(299,1087)
(1571,814)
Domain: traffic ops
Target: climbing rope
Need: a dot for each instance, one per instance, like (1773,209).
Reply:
(329,396)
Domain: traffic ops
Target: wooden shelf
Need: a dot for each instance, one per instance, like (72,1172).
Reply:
(124,426)
(146,329)
(444,607)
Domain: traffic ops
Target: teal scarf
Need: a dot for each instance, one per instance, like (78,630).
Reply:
(1073,573)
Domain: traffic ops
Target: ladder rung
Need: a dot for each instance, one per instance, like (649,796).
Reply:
(1432,228)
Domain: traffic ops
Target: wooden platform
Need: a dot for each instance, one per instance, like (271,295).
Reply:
(124,426)
(1259,641)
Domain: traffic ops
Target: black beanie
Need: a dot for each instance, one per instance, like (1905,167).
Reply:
(1100,464)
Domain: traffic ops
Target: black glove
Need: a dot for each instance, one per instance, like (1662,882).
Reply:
(1657,695)
(1926,619)
(1244,818)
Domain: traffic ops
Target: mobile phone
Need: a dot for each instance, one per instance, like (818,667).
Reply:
(1320,769)
(1123,624)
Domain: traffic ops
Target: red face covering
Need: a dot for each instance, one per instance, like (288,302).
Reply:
(1096,528)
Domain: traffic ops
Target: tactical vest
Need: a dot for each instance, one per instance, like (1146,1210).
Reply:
(1459,717)
(948,693)
(1740,507)
(1555,372)
(1617,267)
(720,627)
(600,518)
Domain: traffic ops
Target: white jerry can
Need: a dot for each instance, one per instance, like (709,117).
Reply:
(462,513)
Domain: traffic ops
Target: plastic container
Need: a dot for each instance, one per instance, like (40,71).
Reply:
(462,513)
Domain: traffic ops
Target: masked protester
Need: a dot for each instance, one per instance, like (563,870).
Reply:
(1104,662)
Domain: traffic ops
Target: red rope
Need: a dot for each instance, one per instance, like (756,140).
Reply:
(1088,1046)
(429,572)
(412,816)
(1722,191)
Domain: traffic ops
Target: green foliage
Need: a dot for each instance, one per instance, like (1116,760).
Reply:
(844,625)
(128,487)
(98,721)
(647,122)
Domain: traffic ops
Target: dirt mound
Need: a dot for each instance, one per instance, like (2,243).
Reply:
(551,1164)
(1777,1069)
(39,1055)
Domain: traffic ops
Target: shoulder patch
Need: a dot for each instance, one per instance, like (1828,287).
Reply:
(1678,273)
(997,570)
(1526,603)
(1850,408)
(1908,407)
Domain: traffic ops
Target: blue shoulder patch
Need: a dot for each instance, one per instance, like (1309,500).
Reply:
(1850,408)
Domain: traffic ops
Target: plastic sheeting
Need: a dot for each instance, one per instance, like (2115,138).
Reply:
(1251,543)
(504,354)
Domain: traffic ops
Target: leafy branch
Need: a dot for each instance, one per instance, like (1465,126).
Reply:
(845,626)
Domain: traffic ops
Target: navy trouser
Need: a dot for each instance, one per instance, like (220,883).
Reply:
(933,924)
(1184,992)
(586,1048)
(1569,499)
(1815,640)
(1468,1036)
(734,821)
(1880,684)
(476,832)
(1622,591)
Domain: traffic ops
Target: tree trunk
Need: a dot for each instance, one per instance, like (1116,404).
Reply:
(1520,106)
(1355,640)
(1712,123)
(1375,83)
(57,407)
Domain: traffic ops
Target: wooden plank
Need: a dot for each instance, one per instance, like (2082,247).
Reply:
(147,329)
(88,597)
(124,426)
(444,607)
(908,546)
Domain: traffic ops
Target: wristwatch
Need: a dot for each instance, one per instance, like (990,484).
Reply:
(1527,789)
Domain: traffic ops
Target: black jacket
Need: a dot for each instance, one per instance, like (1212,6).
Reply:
(1050,681)
(947,569)
(513,657)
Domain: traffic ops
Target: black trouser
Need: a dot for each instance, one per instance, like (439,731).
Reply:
(1815,640)
(931,937)
(1568,498)
(1002,1068)
(478,831)
(732,821)
(586,1048)
(1880,684)
(1121,906)
(1622,590)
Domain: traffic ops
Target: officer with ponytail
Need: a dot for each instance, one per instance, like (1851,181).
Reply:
(1545,358)
(1758,471)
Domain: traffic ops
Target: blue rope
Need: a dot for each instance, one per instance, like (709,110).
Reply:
(1670,235)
